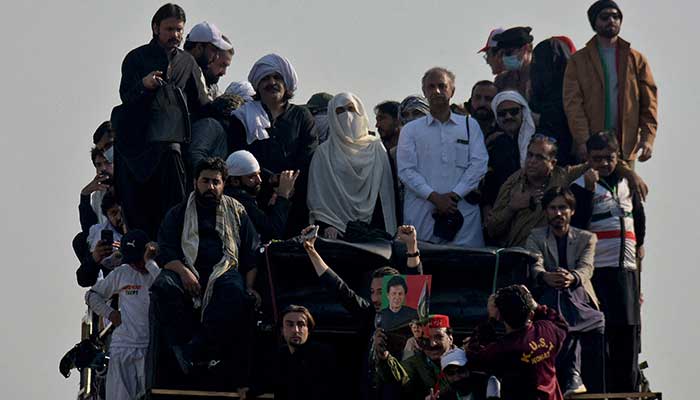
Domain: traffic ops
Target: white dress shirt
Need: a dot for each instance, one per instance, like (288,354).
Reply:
(433,156)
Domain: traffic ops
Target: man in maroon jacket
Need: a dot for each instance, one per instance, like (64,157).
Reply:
(524,358)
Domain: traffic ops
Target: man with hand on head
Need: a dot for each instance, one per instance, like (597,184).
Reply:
(244,183)
(524,359)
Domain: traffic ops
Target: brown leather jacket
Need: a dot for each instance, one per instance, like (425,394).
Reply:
(584,97)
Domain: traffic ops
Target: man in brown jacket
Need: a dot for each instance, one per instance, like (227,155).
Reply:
(609,86)
(562,276)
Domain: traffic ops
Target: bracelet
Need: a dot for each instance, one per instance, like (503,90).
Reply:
(413,255)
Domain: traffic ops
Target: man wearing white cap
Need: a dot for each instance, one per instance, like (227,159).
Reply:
(281,135)
(212,51)
(244,184)
(491,52)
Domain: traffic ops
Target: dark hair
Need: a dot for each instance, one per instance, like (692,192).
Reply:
(188,46)
(604,140)
(388,107)
(293,308)
(557,191)
(482,83)
(397,280)
(212,164)
(94,153)
(109,200)
(441,70)
(547,140)
(384,271)
(168,10)
(514,304)
(101,130)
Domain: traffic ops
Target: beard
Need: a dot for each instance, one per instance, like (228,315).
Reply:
(609,32)
(252,190)
(462,386)
(207,199)
(211,79)
(483,114)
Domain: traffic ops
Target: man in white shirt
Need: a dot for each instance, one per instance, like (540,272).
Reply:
(441,159)
(130,281)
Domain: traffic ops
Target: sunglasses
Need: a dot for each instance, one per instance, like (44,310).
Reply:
(514,112)
(613,15)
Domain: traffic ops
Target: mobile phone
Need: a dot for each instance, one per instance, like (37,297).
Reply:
(311,234)
(109,181)
(107,236)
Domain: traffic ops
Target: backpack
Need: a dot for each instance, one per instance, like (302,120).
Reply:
(169,118)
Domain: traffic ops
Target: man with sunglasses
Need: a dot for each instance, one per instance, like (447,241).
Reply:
(507,146)
(609,86)
(515,48)
(517,209)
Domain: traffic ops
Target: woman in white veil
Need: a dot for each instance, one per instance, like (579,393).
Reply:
(350,174)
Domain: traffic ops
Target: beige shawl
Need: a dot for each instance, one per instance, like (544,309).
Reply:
(228,223)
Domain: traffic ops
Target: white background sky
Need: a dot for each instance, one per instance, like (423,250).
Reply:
(61,69)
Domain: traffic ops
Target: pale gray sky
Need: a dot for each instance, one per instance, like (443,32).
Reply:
(61,73)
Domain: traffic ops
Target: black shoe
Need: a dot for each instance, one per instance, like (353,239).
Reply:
(574,385)
(184,359)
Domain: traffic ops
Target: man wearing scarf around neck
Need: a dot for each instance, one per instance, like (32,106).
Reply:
(207,247)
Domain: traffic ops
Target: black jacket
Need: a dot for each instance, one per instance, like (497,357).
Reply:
(269,224)
(309,374)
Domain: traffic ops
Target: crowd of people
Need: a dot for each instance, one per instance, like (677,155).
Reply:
(190,181)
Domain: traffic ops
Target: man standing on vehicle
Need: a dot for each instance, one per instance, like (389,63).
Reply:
(609,86)
(441,159)
(149,170)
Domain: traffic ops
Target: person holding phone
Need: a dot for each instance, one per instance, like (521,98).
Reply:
(102,241)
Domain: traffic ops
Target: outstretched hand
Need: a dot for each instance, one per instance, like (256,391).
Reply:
(308,243)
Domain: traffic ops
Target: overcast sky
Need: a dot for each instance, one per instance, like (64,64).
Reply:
(60,80)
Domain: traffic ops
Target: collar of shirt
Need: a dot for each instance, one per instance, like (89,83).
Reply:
(453,119)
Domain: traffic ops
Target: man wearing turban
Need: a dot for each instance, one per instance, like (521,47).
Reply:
(279,134)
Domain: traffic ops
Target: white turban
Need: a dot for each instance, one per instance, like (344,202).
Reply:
(243,89)
(270,64)
(241,163)
(527,128)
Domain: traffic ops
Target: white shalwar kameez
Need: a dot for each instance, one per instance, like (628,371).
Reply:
(433,156)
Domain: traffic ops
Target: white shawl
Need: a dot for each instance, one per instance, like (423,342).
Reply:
(349,171)
(527,128)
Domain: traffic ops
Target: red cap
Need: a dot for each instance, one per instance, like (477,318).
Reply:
(489,41)
(439,321)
